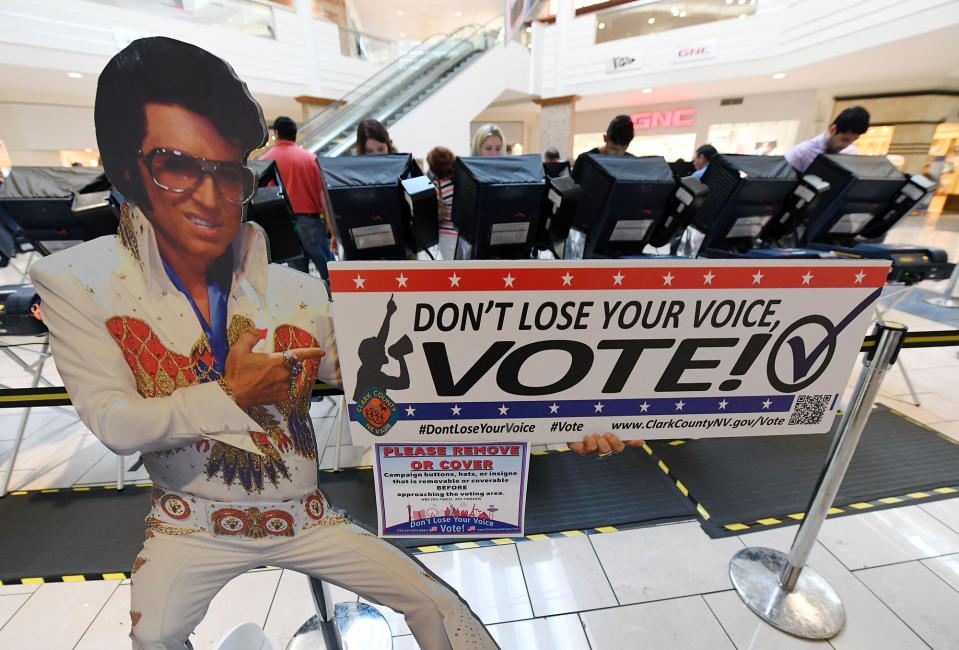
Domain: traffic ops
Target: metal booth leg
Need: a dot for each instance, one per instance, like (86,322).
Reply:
(120,472)
(779,588)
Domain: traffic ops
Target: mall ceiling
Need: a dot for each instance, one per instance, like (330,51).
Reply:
(916,63)
(416,19)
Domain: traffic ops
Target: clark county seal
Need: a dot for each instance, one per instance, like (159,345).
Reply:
(376,411)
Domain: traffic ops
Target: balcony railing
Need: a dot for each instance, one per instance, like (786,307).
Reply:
(245,16)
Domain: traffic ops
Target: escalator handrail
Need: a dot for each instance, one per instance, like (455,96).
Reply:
(373,83)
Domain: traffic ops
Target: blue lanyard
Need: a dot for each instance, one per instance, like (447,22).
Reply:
(219,281)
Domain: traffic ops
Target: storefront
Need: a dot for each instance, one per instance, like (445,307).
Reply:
(943,166)
(756,124)
(919,131)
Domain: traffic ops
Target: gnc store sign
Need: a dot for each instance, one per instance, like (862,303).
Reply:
(657,119)
(694,51)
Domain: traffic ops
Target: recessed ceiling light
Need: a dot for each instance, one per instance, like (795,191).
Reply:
(646,91)
(682,14)
(75,75)
(779,75)
(402,34)
(742,16)
(459,13)
(601,26)
(651,21)
(674,11)
(88,150)
(399,12)
(729,2)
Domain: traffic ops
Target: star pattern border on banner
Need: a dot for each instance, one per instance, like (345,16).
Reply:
(567,278)
(583,408)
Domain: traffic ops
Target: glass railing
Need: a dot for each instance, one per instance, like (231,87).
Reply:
(245,16)
(364,46)
(642,19)
(397,86)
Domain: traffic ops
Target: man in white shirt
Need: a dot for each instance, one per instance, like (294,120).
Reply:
(838,138)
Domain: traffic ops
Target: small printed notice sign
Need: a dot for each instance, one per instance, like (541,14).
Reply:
(454,490)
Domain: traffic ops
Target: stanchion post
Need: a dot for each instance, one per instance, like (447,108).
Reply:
(779,588)
(948,297)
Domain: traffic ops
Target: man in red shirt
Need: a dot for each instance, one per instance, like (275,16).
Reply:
(304,186)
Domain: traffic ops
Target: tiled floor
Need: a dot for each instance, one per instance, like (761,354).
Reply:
(665,587)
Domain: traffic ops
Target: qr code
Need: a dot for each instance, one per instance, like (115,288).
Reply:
(810,409)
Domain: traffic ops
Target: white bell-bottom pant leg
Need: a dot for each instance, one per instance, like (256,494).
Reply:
(176,577)
(349,556)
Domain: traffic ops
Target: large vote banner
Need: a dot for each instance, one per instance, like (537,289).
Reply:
(539,351)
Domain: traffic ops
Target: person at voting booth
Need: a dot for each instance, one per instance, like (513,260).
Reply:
(372,139)
(177,339)
(440,160)
(838,138)
(488,141)
(704,154)
(617,137)
(304,185)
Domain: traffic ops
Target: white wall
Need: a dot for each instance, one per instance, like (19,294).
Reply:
(782,34)
(41,111)
(82,36)
(444,117)
(36,132)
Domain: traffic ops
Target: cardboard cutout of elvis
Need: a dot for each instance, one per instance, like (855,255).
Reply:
(177,339)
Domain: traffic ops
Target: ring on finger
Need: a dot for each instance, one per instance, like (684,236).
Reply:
(604,455)
(291,363)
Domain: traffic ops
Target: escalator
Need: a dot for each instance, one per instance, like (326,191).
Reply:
(397,88)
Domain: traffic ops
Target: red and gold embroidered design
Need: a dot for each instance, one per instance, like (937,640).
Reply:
(175,507)
(250,468)
(163,528)
(158,371)
(230,521)
(296,409)
(320,514)
(314,507)
(250,522)
(138,564)
(277,522)
(238,325)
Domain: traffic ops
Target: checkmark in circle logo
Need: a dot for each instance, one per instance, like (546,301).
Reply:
(802,361)
(803,358)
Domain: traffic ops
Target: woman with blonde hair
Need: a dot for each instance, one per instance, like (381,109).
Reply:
(488,141)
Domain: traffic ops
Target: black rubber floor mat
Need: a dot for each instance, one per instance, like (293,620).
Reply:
(739,480)
(50,535)
(67,533)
